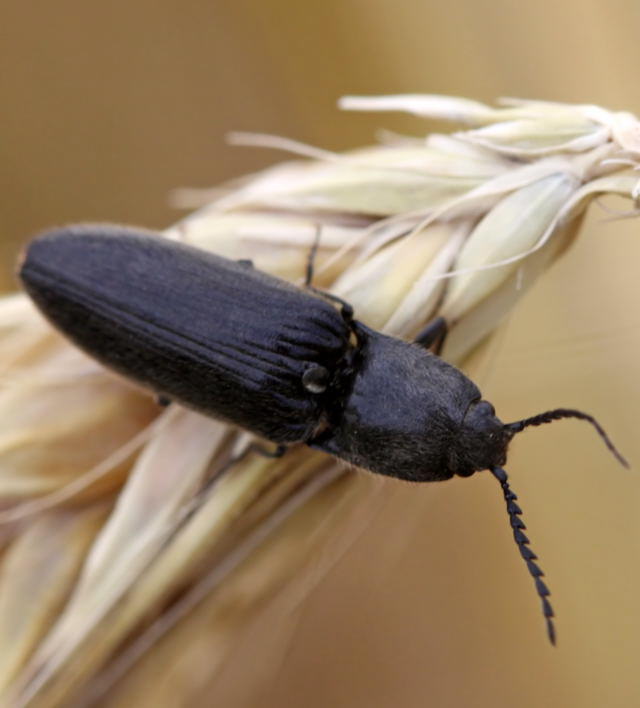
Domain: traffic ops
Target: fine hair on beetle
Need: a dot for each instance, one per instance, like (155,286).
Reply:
(289,364)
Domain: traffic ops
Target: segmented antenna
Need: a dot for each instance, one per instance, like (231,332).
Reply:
(522,542)
(559,413)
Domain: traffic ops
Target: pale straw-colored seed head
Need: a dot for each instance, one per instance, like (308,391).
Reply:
(123,560)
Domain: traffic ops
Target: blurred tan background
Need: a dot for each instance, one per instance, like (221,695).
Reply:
(108,106)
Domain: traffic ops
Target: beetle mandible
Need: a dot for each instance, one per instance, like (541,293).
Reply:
(290,364)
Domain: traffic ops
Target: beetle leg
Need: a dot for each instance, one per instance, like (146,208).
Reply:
(246,262)
(346,310)
(324,441)
(252,447)
(163,400)
(433,335)
(313,252)
(265,452)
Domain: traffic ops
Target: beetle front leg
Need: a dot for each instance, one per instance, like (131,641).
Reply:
(433,335)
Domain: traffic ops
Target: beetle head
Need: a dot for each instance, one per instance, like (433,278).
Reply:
(481,442)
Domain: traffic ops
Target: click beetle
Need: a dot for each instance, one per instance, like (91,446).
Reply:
(289,364)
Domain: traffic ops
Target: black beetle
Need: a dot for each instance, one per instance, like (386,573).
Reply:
(281,361)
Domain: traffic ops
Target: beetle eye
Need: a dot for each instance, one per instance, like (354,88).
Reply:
(315,379)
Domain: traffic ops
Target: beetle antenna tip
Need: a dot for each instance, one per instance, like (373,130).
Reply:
(557,414)
(529,557)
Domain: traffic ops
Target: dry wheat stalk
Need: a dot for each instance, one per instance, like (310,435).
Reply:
(117,566)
